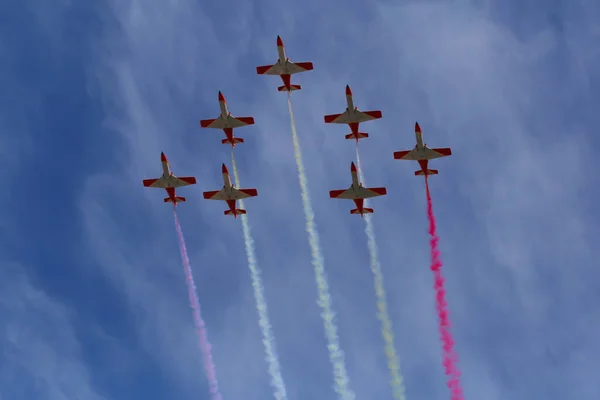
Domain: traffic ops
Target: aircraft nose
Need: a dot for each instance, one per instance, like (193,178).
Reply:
(417,127)
(224,169)
(221,97)
(279,41)
(163,158)
(353,167)
(348,91)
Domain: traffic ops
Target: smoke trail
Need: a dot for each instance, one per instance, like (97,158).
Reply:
(205,346)
(450,359)
(261,304)
(396,382)
(336,355)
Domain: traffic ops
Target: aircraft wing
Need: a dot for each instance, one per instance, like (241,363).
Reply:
(234,194)
(230,122)
(355,117)
(360,193)
(279,69)
(171,182)
(426,154)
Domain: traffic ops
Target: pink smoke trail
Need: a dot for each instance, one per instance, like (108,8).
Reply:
(205,346)
(450,359)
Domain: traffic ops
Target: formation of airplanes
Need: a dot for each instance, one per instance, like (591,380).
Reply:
(352,117)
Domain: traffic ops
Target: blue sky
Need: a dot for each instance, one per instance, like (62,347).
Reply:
(93,299)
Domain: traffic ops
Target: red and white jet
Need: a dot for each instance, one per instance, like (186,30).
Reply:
(422,154)
(353,117)
(226,122)
(169,182)
(358,193)
(230,194)
(284,68)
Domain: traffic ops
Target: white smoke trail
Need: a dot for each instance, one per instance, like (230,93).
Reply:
(261,304)
(336,355)
(396,381)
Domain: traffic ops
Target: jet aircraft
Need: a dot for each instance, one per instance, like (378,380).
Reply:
(353,117)
(230,194)
(226,122)
(422,154)
(358,193)
(169,182)
(284,68)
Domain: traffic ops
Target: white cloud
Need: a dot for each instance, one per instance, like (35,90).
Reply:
(507,202)
(41,355)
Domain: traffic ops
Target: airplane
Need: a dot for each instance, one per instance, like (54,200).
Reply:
(230,194)
(226,122)
(358,194)
(422,154)
(284,68)
(169,182)
(353,117)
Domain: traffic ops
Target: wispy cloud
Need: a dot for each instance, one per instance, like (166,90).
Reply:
(510,201)
(41,355)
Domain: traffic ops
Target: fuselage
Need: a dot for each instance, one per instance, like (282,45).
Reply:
(226,182)
(166,169)
(420,145)
(350,103)
(281,52)
(359,203)
(232,207)
(355,183)
(224,110)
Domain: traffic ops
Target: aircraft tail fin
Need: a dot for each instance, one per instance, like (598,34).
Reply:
(291,89)
(361,135)
(429,172)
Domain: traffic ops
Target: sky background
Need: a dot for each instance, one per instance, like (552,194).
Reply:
(93,301)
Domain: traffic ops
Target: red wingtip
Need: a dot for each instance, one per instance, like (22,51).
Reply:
(353,167)
(279,41)
(348,91)
(221,97)
(224,169)
(163,158)
(417,127)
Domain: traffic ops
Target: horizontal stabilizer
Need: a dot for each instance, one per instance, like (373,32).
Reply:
(177,199)
(429,172)
(292,88)
(365,211)
(235,140)
(238,211)
(360,135)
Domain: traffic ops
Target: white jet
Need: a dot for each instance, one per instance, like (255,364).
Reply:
(358,193)
(284,68)
(230,194)
(353,117)
(422,154)
(226,122)
(169,182)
